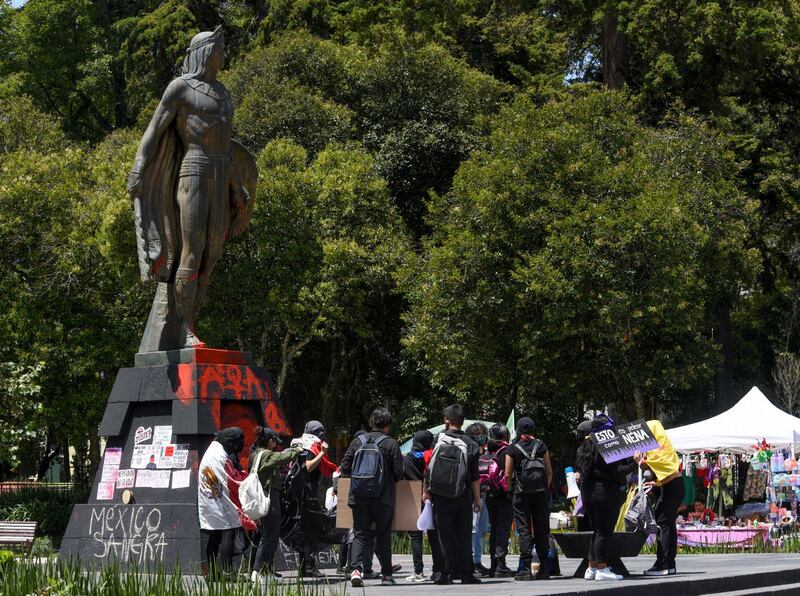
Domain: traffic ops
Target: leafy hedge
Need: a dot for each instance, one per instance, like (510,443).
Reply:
(49,507)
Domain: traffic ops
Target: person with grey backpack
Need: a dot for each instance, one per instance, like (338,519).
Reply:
(528,474)
(374,465)
(452,483)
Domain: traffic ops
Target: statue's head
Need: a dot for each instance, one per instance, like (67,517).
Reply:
(205,53)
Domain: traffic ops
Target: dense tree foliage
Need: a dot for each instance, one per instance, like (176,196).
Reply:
(547,205)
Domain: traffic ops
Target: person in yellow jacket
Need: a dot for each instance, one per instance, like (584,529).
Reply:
(668,492)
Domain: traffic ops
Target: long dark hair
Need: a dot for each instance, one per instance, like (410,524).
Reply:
(584,458)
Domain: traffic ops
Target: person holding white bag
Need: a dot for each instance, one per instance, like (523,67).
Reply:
(266,461)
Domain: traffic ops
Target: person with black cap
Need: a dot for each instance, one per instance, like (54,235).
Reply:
(269,461)
(603,487)
(528,473)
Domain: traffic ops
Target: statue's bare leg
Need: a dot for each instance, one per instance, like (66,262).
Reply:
(193,197)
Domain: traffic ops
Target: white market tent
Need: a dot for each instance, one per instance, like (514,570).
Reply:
(736,430)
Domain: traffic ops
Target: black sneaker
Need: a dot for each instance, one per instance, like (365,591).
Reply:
(470,579)
(656,571)
(503,571)
(481,571)
(396,567)
(312,572)
(542,574)
(672,571)
(443,580)
(371,575)
(523,576)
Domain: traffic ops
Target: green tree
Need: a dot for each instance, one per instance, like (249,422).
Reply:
(316,267)
(580,257)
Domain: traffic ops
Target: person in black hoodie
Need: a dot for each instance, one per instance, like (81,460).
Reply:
(414,469)
(603,488)
(372,515)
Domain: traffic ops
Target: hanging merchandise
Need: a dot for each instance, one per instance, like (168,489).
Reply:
(790,464)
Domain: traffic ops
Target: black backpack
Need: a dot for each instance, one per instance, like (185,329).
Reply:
(531,474)
(367,477)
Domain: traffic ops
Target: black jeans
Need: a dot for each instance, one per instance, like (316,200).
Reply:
(219,550)
(416,550)
(452,519)
(501,514)
(532,516)
(367,553)
(603,500)
(270,533)
(669,498)
(372,521)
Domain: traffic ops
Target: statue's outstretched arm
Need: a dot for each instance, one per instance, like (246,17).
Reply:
(164,115)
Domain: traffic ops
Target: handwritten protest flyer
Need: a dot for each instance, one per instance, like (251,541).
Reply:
(624,440)
(126,478)
(142,434)
(142,454)
(105,491)
(162,435)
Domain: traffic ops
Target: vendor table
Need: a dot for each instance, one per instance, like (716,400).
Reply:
(744,537)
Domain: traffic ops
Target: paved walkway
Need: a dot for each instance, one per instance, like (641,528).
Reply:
(697,574)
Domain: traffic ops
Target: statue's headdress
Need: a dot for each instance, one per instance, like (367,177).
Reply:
(205,38)
(199,50)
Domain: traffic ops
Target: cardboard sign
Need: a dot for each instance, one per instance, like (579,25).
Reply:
(624,440)
(407,505)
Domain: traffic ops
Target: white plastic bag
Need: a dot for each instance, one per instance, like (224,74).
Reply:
(425,520)
(330,499)
(255,502)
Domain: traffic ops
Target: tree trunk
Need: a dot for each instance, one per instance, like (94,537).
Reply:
(50,452)
(614,49)
(639,403)
(723,378)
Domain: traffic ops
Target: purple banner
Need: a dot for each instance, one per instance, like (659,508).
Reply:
(624,440)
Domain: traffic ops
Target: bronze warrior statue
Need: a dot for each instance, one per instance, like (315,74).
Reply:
(192,188)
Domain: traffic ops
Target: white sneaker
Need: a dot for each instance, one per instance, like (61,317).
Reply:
(606,575)
(355,579)
(258,578)
(416,577)
(590,573)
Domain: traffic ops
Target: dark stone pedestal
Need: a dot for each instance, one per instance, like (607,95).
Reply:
(575,545)
(195,392)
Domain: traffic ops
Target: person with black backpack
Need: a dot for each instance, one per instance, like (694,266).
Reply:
(528,473)
(498,501)
(452,482)
(374,464)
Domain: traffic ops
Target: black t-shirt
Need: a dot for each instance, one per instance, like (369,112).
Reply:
(514,453)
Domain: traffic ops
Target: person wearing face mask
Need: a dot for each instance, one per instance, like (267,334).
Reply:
(480,520)
(498,501)
(528,474)
(219,475)
(269,460)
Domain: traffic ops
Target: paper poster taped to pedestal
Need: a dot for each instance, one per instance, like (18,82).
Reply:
(126,478)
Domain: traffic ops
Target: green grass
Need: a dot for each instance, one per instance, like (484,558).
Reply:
(58,578)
